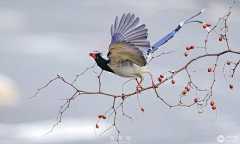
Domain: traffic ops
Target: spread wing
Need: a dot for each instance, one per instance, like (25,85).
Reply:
(124,50)
(129,40)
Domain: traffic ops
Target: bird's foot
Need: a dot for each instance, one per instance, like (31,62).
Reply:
(154,86)
(139,86)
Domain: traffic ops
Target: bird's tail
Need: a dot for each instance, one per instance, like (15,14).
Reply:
(172,33)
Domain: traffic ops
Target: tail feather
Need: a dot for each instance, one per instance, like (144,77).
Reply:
(172,33)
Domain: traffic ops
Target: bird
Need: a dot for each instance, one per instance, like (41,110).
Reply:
(130,51)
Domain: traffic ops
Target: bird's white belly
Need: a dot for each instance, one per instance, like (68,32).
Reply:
(128,69)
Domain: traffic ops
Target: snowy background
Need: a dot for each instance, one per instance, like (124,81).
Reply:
(39,39)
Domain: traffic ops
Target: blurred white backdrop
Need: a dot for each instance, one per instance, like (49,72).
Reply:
(39,39)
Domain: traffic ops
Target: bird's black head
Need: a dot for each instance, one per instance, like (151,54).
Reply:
(101,61)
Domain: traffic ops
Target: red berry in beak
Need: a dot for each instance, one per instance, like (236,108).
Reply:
(92,55)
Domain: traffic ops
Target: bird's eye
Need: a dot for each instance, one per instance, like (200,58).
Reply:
(97,57)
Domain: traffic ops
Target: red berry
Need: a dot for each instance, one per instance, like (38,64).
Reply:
(100,116)
(104,117)
(191,47)
(231,86)
(186,54)
(214,107)
(188,89)
(228,63)
(173,81)
(209,70)
(184,92)
(220,39)
(195,100)
(161,76)
(159,79)
(97,126)
(187,48)
(212,103)
(204,26)
(208,24)
(123,98)
(142,109)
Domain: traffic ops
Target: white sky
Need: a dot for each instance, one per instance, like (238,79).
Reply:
(39,39)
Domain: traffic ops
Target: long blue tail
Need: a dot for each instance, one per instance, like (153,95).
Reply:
(172,33)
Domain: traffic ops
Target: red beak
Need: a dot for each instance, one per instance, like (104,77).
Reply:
(92,55)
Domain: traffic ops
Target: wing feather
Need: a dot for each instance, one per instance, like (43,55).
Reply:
(141,27)
(127,30)
(121,22)
(125,22)
(123,51)
(130,21)
(115,24)
(140,32)
(112,32)
(128,40)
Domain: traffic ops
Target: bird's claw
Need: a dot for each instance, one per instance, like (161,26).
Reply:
(139,86)
(154,86)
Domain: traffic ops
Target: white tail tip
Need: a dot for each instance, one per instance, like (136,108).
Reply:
(203,10)
(181,23)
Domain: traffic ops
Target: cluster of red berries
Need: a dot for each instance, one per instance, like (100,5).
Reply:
(188,48)
(213,106)
(162,76)
(185,91)
(206,25)
(102,116)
